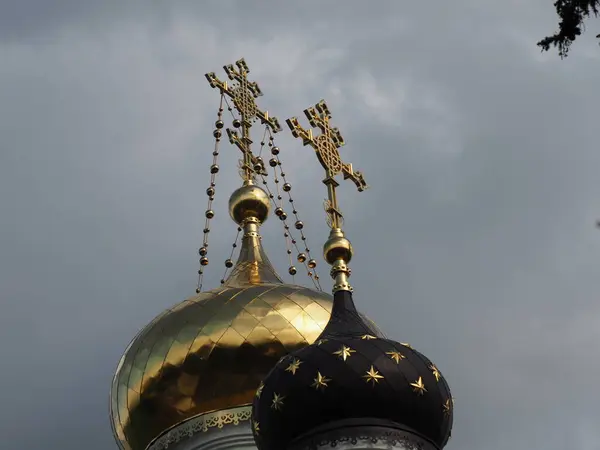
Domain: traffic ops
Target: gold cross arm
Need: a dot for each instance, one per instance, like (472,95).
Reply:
(299,132)
(243,93)
(355,176)
(318,117)
(241,143)
(241,76)
(326,146)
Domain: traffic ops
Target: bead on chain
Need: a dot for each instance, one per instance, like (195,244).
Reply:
(236,122)
(303,257)
(262,142)
(282,216)
(279,212)
(229,261)
(299,225)
(210,192)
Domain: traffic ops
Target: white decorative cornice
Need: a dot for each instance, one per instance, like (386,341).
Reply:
(215,428)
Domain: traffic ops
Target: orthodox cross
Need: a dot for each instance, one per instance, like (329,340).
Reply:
(243,93)
(326,147)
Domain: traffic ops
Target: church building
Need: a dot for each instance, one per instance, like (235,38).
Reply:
(257,363)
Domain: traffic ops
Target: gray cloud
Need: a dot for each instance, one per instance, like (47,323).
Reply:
(476,242)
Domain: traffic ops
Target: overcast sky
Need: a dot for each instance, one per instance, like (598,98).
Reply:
(476,242)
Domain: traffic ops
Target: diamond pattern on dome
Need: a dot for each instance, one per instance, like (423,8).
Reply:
(288,309)
(210,353)
(244,323)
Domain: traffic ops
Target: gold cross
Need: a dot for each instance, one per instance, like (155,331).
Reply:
(243,94)
(326,146)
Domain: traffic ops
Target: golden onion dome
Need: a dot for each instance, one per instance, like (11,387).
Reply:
(211,351)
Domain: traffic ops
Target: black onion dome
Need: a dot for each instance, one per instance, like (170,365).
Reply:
(349,374)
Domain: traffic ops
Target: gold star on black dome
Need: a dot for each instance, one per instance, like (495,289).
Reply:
(294,365)
(418,386)
(395,356)
(446,407)
(256,427)
(373,376)
(277,402)
(320,382)
(436,372)
(367,337)
(259,390)
(344,352)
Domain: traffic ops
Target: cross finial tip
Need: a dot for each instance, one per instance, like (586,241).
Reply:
(243,92)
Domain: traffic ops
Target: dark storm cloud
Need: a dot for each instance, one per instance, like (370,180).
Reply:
(481,154)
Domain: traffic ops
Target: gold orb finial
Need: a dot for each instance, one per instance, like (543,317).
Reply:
(249,201)
(337,247)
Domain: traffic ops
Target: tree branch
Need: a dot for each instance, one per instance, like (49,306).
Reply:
(572,14)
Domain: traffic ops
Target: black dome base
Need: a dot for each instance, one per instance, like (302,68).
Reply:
(363,433)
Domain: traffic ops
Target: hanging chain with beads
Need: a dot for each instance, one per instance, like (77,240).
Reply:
(279,211)
(210,192)
(229,261)
(303,257)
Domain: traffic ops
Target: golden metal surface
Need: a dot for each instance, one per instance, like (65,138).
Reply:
(210,353)
(249,201)
(338,250)
(243,94)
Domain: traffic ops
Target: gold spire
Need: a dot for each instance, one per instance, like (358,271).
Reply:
(249,205)
(243,95)
(337,250)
